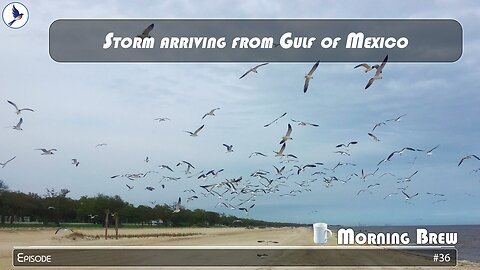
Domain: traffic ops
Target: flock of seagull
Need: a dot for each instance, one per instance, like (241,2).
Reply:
(289,177)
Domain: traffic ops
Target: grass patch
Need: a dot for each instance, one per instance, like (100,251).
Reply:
(79,235)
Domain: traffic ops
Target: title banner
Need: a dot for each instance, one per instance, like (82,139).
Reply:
(255,40)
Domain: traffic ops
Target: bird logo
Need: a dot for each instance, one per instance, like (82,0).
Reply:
(15,15)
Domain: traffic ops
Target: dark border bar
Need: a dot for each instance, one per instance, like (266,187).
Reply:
(228,256)
(85,40)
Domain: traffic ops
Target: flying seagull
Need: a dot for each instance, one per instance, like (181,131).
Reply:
(367,67)
(177,205)
(19,111)
(309,76)
(254,154)
(373,137)
(390,194)
(146,32)
(468,157)
(429,152)
(47,152)
(408,197)
(75,162)
(100,145)
(6,162)
(254,70)
(274,121)
(345,145)
(194,134)
(397,152)
(165,167)
(378,73)
(211,113)
(377,125)
(229,147)
(287,135)
(301,123)
(129,187)
(161,119)
(397,119)
(18,126)
(150,188)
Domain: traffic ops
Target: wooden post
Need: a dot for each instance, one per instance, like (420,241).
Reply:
(107,213)
(117,217)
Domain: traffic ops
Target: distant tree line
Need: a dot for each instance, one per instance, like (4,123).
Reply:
(55,207)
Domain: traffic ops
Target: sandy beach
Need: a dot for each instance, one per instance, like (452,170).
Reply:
(171,237)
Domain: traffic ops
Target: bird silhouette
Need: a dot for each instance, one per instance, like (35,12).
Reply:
(16,15)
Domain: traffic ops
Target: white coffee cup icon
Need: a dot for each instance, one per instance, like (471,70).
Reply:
(321,233)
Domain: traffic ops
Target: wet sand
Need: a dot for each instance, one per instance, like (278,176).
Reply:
(10,238)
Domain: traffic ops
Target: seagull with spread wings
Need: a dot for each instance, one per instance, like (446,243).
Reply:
(195,133)
(47,152)
(254,69)
(177,205)
(6,162)
(287,135)
(146,32)
(229,147)
(19,111)
(18,126)
(467,157)
(211,113)
(309,76)
(276,119)
(301,123)
(378,73)
(367,67)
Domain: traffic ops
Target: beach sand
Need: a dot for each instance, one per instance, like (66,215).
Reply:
(10,238)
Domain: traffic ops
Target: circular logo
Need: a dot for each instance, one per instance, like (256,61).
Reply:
(15,15)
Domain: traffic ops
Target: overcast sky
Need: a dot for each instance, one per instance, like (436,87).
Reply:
(78,106)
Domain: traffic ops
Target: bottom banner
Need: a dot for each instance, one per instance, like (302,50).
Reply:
(234,256)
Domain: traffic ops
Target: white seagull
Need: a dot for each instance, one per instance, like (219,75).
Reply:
(274,121)
(229,147)
(309,76)
(397,119)
(47,152)
(254,154)
(367,67)
(177,205)
(373,137)
(18,126)
(75,162)
(195,133)
(429,152)
(211,113)
(468,157)
(346,145)
(6,162)
(301,123)
(19,111)
(408,197)
(287,135)
(254,70)
(378,73)
(161,119)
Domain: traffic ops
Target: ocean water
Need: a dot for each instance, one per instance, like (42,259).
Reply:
(468,244)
